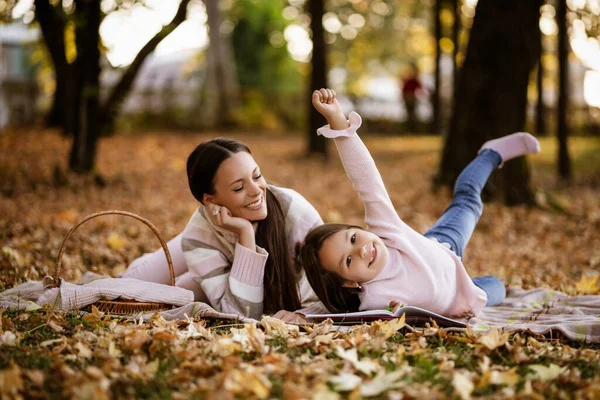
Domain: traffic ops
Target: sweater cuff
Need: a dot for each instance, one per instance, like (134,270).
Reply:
(314,308)
(355,122)
(249,266)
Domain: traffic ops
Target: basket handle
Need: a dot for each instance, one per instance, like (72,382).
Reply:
(119,212)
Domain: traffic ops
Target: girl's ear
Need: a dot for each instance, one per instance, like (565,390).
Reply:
(350,284)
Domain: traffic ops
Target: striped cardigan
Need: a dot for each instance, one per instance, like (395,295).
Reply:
(232,275)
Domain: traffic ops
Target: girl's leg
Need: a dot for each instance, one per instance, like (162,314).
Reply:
(493,287)
(457,223)
(153,267)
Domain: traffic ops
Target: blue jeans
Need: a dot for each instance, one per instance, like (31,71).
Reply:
(457,223)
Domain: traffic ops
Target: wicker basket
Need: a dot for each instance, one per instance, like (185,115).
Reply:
(120,306)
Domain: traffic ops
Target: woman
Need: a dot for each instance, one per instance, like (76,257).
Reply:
(238,250)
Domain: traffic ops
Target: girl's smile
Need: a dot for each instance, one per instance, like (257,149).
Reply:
(354,254)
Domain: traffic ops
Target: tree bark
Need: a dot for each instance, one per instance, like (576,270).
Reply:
(78,82)
(87,36)
(112,106)
(455,39)
(436,124)
(564,161)
(491,99)
(540,110)
(221,89)
(318,76)
(52,24)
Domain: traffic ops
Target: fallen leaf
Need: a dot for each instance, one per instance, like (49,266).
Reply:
(84,351)
(380,383)
(546,373)
(588,285)
(493,339)
(8,338)
(345,382)
(11,381)
(248,382)
(116,242)
(492,377)
(463,384)
(367,366)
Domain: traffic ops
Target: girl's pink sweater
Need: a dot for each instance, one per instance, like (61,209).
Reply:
(420,272)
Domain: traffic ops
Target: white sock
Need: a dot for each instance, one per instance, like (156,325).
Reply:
(512,146)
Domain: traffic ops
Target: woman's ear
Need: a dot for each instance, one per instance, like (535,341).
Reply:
(207,198)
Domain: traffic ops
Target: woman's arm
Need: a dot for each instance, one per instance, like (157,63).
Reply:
(231,286)
(380,216)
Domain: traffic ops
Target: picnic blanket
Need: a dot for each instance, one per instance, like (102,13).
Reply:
(540,311)
(543,311)
(29,296)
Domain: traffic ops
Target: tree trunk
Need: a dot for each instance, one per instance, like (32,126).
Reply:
(436,124)
(110,109)
(564,161)
(221,89)
(51,19)
(456,4)
(87,37)
(540,121)
(318,76)
(491,99)
(56,116)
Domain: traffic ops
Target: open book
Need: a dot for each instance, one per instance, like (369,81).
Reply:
(415,316)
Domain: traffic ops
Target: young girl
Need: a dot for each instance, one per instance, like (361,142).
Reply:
(388,262)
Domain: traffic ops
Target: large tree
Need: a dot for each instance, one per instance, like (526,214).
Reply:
(77,107)
(221,89)
(491,97)
(564,161)
(318,76)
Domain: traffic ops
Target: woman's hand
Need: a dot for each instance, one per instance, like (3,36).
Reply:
(290,317)
(325,102)
(221,217)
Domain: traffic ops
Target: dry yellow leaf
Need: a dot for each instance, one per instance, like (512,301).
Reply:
(116,242)
(490,377)
(547,373)
(493,339)
(463,384)
(588,285)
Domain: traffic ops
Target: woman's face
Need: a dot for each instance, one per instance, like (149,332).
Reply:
(240,187)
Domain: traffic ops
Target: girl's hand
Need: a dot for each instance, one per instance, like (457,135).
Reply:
(325,102)
(395,305)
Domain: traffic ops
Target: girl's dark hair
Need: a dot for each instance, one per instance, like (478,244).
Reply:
(327,285)
(280,283)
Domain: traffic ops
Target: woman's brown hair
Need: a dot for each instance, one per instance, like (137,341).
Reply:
(280,283)
(327,285)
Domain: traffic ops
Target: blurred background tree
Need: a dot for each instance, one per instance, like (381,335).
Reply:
(249,65)
(491,96)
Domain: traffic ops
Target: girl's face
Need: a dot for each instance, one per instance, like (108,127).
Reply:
(240,187)
(354,254)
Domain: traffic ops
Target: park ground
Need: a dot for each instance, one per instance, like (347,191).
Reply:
(51,355)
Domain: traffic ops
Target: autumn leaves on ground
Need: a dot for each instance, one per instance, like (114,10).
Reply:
(51,355)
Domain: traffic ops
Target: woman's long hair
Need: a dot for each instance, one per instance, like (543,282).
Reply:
(327,285)
(280,283)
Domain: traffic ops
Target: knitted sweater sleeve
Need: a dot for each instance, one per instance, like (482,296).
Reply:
(231,287)
(380,216)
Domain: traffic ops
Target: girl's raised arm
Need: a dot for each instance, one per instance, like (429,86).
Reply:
(380,216)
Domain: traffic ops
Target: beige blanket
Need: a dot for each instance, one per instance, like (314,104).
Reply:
(541,311)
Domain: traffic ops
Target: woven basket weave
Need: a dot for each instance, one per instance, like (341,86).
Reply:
(120,306)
